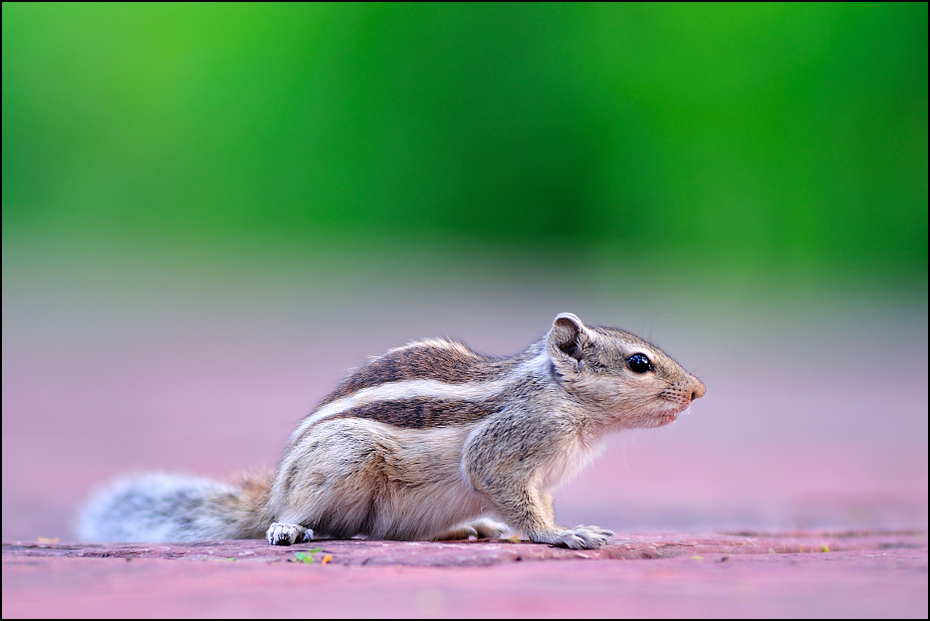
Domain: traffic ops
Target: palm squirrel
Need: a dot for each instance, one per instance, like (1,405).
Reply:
(422,443)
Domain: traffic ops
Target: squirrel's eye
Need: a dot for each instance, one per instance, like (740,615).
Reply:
(639,363)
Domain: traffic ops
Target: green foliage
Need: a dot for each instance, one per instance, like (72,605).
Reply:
(781,137)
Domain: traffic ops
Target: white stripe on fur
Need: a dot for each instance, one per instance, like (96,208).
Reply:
(434,389)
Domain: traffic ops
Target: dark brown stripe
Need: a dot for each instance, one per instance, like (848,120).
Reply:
(422,412)
(426,361)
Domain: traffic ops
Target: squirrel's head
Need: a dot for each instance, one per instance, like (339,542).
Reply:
(632,382)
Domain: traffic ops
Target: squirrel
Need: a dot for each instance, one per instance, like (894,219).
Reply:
(424,443)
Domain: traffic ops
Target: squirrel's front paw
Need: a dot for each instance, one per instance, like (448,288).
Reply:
(280,534)
(578,538)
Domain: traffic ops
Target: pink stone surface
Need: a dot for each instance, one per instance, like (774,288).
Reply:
(851,574)
(813,433)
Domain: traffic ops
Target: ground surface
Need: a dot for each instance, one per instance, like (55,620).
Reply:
(846,574)
(797,487)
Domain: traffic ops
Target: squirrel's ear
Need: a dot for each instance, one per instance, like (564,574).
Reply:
(567,336)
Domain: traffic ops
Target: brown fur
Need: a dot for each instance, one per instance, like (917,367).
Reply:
(425,442)
(433,434)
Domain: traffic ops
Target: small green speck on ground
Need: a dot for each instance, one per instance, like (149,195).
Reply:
(307,557)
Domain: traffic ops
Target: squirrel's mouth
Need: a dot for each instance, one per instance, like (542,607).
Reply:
(659,419)
(666,417)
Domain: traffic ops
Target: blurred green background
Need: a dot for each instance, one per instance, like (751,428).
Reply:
(211,211)
(735,142)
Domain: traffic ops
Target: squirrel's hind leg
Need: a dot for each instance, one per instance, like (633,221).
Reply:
(480,529)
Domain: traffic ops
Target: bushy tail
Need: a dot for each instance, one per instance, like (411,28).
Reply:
(164,507)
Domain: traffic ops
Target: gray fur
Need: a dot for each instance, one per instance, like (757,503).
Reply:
(426,442)
(154,507)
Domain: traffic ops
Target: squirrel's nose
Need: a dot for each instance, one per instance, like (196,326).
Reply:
(697,390)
